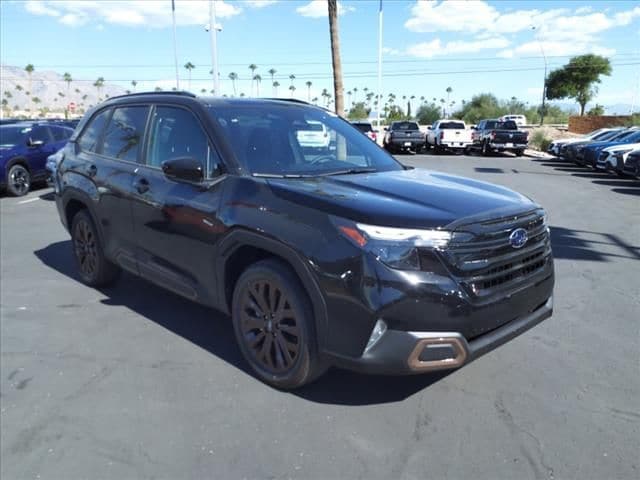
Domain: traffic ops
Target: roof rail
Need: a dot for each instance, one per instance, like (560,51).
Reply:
(292,100)
(163,92)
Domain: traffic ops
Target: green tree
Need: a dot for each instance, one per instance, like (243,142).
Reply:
(484,105)
(428,113)
(99,83)
(358,111)
(233,76)
(253,67)
(158,89)
(308,84)
(257,78)
(276,84)
(597,110)
(66,76)
(29,69)
(272,72)
(395,113)
(292,77)
(292,88)
(578,79)
(189,66)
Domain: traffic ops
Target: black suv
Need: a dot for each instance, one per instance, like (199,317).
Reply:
(338,256)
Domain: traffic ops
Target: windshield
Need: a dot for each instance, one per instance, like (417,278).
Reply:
(603,135)
(363,127)
(12,136)
(283,140)
(404,126)
(622,135)
(507,125)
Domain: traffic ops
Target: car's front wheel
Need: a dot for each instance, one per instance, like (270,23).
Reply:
(18,180)
(273,324)
(94,269)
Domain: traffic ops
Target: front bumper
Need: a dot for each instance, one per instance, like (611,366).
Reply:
(399,352)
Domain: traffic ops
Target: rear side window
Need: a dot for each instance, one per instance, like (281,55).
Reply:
(88,141)
(60,134)
(176,133)
(124,133)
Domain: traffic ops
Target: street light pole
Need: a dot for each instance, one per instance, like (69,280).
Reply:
(544,84)
(175,44)
(379,65)
(213,32)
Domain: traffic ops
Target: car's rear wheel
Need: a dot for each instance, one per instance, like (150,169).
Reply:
(274,326)
(94,269)
(18,180)
(519,153)
(485,149)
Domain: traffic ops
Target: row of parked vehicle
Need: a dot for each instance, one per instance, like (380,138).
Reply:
(25,147)
(487,137)
(616,150)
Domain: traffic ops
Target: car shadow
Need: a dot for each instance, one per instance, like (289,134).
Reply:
(621,182)
(212,331)
(627,191)
(587,245)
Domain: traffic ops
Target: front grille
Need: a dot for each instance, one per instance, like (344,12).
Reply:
(487,264)
(603,157)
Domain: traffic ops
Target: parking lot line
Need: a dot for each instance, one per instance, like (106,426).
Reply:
(29,201)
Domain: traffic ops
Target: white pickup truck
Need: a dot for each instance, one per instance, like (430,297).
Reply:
(449,134)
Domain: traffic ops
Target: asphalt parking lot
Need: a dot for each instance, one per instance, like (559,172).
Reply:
(132,382)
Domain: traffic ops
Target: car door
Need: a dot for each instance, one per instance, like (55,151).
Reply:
(108,152)
(40,143)
(176,221)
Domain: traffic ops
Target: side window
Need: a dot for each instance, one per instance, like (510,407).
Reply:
(176,133)
(60,134)
(124,133)
(40,133)
(88,141)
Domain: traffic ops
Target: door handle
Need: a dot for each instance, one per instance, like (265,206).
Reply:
(141,185)
(92,170)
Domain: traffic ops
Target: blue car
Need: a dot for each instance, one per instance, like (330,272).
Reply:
(589,154)
(24,148)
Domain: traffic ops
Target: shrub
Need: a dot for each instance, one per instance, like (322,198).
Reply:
(540,141)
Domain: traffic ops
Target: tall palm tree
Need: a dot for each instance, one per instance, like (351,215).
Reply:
(99,83)
(189,66)
(293,89)
(315,100)
(253,67)
(257,78)
(66,76)
(449,90)
(158,89)
(355,94)
(272,72)
(19,87)
(349,102)
(203,91)
(324,93)
(308,84)
(276,84)
(335,56)
(29,69)
(233,76)
(292,77)
(133,84)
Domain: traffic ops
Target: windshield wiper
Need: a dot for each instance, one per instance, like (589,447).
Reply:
(279,175)
(349,171)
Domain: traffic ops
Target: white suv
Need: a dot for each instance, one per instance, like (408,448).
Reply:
(519,119)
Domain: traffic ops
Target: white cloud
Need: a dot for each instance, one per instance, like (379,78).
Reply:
(390,51)
(149,13)
(435,48)
(260,3)
(560,48)
(582,10)
(319,9)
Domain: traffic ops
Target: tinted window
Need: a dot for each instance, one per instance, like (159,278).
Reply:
(40,133)
(508,125)
(10,136)
(89,139)
(404,126)
(451,125)
(363,127)
(176,133)
(60,133)
(124,133)
(276,140)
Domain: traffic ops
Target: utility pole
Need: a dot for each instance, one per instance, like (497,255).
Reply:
(379,65)
(175,44)
(544,85)
(213,32)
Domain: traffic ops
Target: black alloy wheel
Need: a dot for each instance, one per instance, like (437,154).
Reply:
(273,324)
(94,269)
(19,181)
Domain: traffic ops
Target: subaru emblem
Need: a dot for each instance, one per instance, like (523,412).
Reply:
(518,238)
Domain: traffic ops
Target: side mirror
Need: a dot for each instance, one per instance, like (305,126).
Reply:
(34,143)
(183,168)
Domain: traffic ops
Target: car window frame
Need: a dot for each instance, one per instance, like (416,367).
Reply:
(98,151)
(104,131)
(212,146)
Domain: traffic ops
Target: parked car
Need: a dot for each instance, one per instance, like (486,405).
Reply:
(588,154)
(573,150)
(403,137)
(342,257)
(24,148)
(519,119)
(555,146)
(632,164)
(612,158)
(367,129)
(313,135)
(498,136)
(449,135)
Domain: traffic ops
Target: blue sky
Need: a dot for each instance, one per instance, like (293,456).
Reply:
(429,45)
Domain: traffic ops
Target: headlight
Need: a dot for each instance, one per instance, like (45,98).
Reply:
(395,247)
(622,151)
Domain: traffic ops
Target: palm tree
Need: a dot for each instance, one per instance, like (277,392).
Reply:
(272,72)
(189,66)
(158,89)
(324,93)
(19,88)
(99,83)
(253,67)
(293,89)
(449,90)
(203,91)
(133,84)
(66,76)
(308,84)
(127,92)
(335,56)
(355,94)
(29,69)
(276,84)
(315,100)
(257,78)
(292,77)
(349,99)
(233,76)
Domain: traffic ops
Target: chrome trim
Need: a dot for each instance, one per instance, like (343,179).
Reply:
(455,340)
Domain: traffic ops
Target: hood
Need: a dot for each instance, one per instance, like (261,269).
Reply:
(407,198)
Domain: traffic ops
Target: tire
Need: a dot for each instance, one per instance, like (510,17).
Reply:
(280,347)
(519,153)
(18,180)
(485,150)
(94,269)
